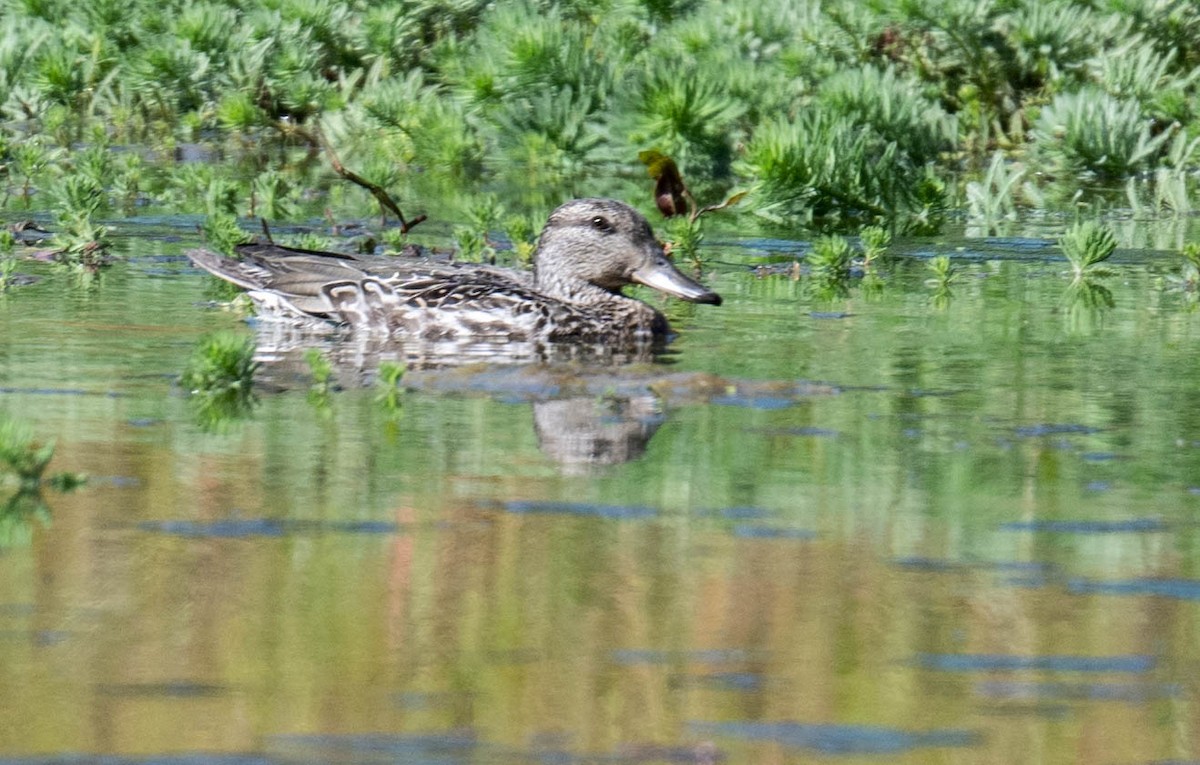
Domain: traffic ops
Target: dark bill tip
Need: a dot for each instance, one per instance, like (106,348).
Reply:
(665,278)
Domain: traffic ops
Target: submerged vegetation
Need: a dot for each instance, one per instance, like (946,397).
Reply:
(830,115)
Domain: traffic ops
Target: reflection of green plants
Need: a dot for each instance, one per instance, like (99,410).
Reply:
(8,269)
(1087,294)
(388,385)
(1188,278)
(1086,245)
(8,262)
(944,274)
(322,375)
(18,515)
(1087,302)
(219,378)
(27,459)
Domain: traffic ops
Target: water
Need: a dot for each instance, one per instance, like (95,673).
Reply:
(868,529)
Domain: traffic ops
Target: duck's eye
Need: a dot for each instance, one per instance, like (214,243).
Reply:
(600,223)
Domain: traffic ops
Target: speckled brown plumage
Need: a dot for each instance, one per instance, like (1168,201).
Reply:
(588,251)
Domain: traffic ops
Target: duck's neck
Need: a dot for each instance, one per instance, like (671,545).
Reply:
(576,291)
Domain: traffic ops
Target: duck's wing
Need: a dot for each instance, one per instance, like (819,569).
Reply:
(442,302)
(301,278)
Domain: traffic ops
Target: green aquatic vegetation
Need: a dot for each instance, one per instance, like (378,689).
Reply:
(128,180)
(1053,41)
(23,455)
(219,378)
(222,233)
(1139,71)
(1086,245)
(895,108)
(1171,188)
(686,234)
(221,196)
(522,232)
(827,171)
(836,114)
(994,197)
(310,240)
(472,245)
(687,115)
(80,241)
(8,264)
(831,258)
(238,112)
(943,271)
(271,196)
(874,241)
(1091,131)
(1169,25)
(30,159)
(394,240)
(548,134)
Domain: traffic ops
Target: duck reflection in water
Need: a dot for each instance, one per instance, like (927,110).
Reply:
(582,434)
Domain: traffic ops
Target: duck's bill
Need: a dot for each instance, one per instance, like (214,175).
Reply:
(664,277)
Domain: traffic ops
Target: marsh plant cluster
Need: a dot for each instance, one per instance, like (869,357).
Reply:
(832,115)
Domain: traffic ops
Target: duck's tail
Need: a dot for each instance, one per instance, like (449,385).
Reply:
(242,273)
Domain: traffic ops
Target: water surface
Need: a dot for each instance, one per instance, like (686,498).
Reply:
(870,528)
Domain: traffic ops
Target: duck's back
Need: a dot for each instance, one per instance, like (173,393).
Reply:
(421,299)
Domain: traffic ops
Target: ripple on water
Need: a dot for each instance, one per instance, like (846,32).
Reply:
(621,512)
(1132,693)
(1129,526)
(839,739)
(984,662)
(264,527)
(1181,589)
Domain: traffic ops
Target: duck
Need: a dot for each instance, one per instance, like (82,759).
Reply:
(588,251)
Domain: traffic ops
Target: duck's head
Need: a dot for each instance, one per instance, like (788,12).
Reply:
(590,243)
